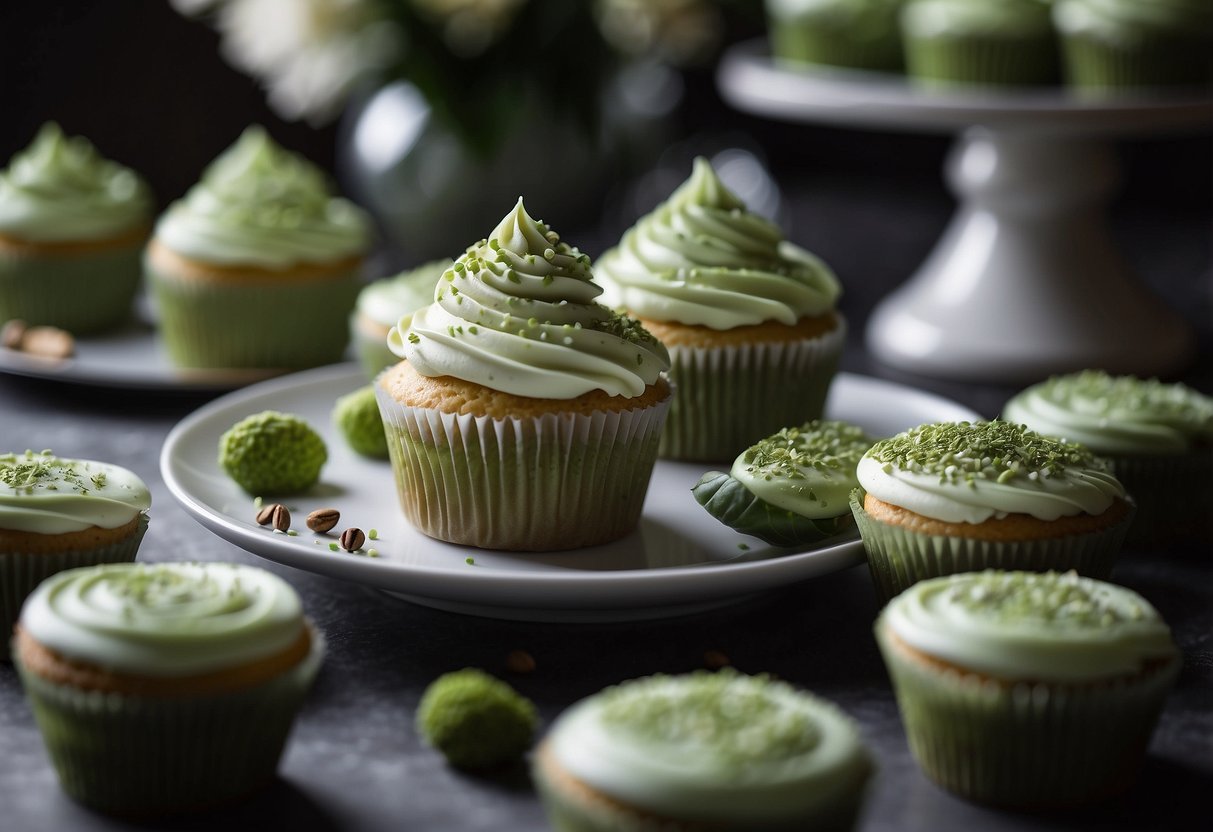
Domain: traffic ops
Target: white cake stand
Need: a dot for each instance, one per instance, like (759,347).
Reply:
(1026,280)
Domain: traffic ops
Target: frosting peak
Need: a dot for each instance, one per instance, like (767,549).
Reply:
(61,188)
(258,204)
(701,258)
(517,312)
(44,494)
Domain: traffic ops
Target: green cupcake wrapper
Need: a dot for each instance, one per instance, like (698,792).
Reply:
(21,572)
(568,813)
(727,398)
(287,324)
(557,481)
(1026,745)
(1173,495)
(835,43)
(82,293)
(148,756)
(940,61)
(898,558)
(1095,65)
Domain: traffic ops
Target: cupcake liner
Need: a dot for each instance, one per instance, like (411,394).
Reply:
(839,45)
(21,572)
(141,755)
(1149,59)
(280,323)
(80,292)
(939,61)
(1173,494)
(556,481)
(899,558)
(728,398)
(1026,745)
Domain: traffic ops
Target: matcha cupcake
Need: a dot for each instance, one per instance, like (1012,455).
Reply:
(525,415)
(792,488)
(258,266)
(718,751)
(749,319)
(960,497)
(382,304)
(57,514)
(1158,437)
(168,687)
(956,42)
(1027,690)
(1114,45)
(72,227)
(857,34)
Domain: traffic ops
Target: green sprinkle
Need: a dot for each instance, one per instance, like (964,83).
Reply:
(470,561)
(819,445)
(373,534)
(292,533)
(332,547)
(745,547)
(372,553)
(413,338)
(256,502)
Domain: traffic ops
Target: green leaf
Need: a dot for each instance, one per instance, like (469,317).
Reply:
(733,504)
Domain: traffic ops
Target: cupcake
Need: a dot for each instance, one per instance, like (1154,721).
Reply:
(525,415)
(1158,437)
(718,751)
(162,688)
(1003,43)
(258,266)
(858,34)
(792,488)
(1112,45)
(748,318)
(959,497)
(384,303)
(1027,690)
(57,514)
(72,227)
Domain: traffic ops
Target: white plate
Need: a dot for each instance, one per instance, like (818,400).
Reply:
(677,561)
(130,357)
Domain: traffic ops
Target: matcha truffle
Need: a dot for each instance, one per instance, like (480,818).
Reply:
(357,417)
(272,453)
(476,721)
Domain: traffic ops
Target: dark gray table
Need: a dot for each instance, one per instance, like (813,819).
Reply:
(355,761)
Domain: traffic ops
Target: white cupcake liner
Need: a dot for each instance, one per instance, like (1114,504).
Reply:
(143,755)
(1026,745)
(556,481)
(729,397)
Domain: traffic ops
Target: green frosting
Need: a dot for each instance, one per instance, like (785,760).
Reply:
(1117,414)
(272,453)
(1126,21)
(260,205)
(701,258)
(357,417)
(61,189)
(808,469)
(952,18)
(44,494)
(392,299)
(476,721)
(518,313)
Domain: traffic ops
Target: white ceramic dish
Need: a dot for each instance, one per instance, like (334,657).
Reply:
(678,560)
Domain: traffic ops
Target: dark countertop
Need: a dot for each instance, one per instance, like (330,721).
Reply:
(355,761)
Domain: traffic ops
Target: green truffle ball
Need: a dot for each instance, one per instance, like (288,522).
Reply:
(357,417)
(476,721)
(272,453)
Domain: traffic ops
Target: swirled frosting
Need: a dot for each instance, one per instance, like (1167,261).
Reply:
(961,472)
(1126,21)
(713,746)
(701,258)
(941,18)
(165,619)
(260,205)
(809,470)
(44,494)
(61,189)
(518,313)
(1116,414)
(1028,625)
(387,301)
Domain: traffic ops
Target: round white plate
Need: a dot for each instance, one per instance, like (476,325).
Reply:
(131,358)
(679,559)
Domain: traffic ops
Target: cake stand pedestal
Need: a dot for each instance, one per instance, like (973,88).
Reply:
(1026,280)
